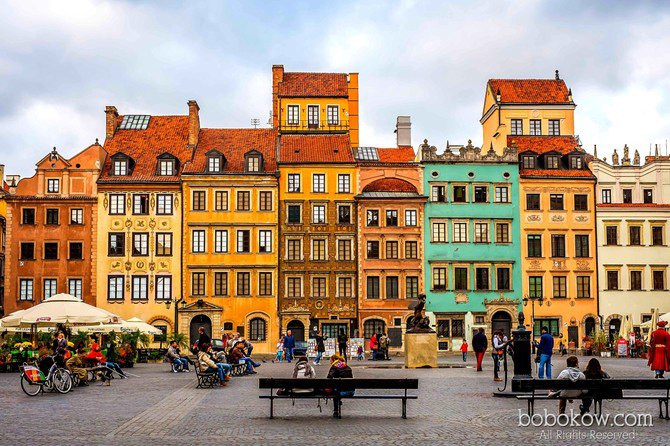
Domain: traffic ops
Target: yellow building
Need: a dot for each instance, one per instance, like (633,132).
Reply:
(140,214)
(231,237)
(532,107)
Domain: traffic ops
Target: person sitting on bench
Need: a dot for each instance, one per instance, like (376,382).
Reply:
(76,366)
(173,355)
(207,365)
(237,356)
(339,369)
(592,371)
(572,373)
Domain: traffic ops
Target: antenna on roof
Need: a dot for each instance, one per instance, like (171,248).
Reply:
(255,122)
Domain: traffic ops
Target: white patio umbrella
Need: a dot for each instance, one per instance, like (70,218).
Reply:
(135,323)
(652,324)
(60,309)
(128,326)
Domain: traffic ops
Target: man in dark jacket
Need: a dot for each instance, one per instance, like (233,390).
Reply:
(479,344)
(289,345)
(203,339)
(342,341)
(546,348)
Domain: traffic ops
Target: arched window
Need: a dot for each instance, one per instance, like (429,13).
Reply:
(228,326)
(257,331)
(372,326)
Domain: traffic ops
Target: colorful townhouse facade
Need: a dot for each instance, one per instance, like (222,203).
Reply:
(231,237)
(471,238)
(633,218)
(51,230)
(4,190)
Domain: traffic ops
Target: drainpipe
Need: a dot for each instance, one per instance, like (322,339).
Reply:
(595,234)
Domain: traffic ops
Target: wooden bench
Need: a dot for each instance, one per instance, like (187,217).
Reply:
(319,385)
(599,389)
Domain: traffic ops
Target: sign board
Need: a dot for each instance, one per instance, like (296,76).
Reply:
(622,348)
(395,337)
(330,345)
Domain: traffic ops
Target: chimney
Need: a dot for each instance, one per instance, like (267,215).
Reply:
(277,78)
(2,175)
(403,130)
(193,123)
(110,120)
(558,78)
(498,96)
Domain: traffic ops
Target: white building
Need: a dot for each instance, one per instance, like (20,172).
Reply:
(633,216)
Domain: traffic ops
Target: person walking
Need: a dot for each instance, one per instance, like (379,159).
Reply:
(546,349)
(479,345)
(659,351)
(320,347)
(289,345)
(464,350)
(374,346)
(496,354)
(280,350)
(342,343)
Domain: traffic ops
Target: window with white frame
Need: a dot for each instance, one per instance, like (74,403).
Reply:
(163,244)
(319,214)
(214,164)
(343,183)
(220,241)
(74,287)
(221,200)
(163,287)
(120,167)
(344,249)
(140,244)
(410,217)
(502,194)
(460,232)
(115,288)
(293,115)
(243,241)
(318,182)
(265,241)
(140,289)
(294,287)
(166,167)
(198,240)
(439,278)
(345,287)
(333,115)
(554,127)
(293,182)
(319,250)
(26,289)
(117,204)
(516,127)
(481,232)
(53,185)
(293,249)
(50,287)
(164,204)
(76,216)
(254,163)
(140,204)
(439,232)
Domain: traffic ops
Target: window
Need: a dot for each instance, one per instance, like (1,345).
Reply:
(221,200)
(372,326)
(411,287)
(27,216)
(265,241)
(535,127)
(293,249)
(76,251)
(313,116)
(459,194)
(460,278)
(265,284)
(199,200)
(502,194)
(120,167)
(26,289)
(318,287)
(634,235)
(319,214)
(411,250)
(52,216)
(319,249)
(581,245)
(198,241)
(535,286)
(294,214)
(243,200)
(552,162)
(166,168)
(516,127)
(576,162)
(658,277)
(51,251)
(502,232)
(583,286)
(140,204)
(481,232)
(528,162)
(502,280)
(318,183)
(551,324)
(293,115)
(257,330)
(391,249)
(391,217)
(344,250)
(443,328)
(534,245)
(606,196)
(439,232)
(560,287)
(50,288)
(657,235)
(163,243)
(628,195)
(117,244)
(533,202)
(372,218)
(294,287)
(636,280)
(76,216)
(558,245)
(220,241)
(253,163)
(556,202)
(392,287)
(581,202)
(243,241)
(344,183)
(198,284)
(457,328)
(53,185)
(27,251)
(648,196)
(613,280)
(117,204)
(163,287)
(345,287)
(333,114)
(265,200)
(612,236)
(481,194)
(482,279)
(460,232)
(344,214)
(74,287)
(410,217)
(220,283)
(372,287)
(554,127)
(115,288)
(214,164)
(141,244)
(139,288)
(438,194)
(164,204)
(439,278)
(294,182)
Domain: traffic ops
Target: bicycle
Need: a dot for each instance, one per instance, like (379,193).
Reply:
(33,380)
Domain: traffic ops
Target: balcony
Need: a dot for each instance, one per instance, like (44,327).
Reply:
(309,126)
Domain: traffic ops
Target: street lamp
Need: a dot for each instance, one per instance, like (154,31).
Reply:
(532,300)
(168,302)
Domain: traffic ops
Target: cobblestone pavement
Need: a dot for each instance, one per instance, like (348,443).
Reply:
(455,406)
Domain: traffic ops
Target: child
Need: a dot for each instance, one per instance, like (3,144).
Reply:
(280,350)
(464,350)
(360,352)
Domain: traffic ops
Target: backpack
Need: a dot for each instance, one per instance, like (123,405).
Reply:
(383,342)
(303,373)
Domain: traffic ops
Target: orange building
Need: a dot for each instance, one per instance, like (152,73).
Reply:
(51,232)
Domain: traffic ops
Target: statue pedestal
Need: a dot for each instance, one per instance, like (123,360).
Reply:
(420,350)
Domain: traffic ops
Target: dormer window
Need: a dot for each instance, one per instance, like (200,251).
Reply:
(552,162)
(215,161)
(120,167)
(166,168)
(576,162)
(528,162)
(253,161)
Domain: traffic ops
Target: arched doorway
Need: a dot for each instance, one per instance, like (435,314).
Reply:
(614,328)
(200,321)
(501,320)
(297,329)
(590,326)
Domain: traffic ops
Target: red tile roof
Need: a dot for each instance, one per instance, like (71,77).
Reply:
(390,185)
(234,144)
(649,159)
(163,134)
(543,144)
(635,205)
(531,91)
(558,173)
(306,85)
(402,154)
(303,149)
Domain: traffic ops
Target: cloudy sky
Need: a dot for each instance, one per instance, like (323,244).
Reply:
(62,62)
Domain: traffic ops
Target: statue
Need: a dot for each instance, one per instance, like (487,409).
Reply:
(615,158)
(420,323)
(522,319)
(625,161)
(636,158)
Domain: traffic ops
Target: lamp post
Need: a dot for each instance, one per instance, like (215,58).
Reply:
(532,300)
(176,311)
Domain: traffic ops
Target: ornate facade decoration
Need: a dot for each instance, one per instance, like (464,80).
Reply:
(468,153)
